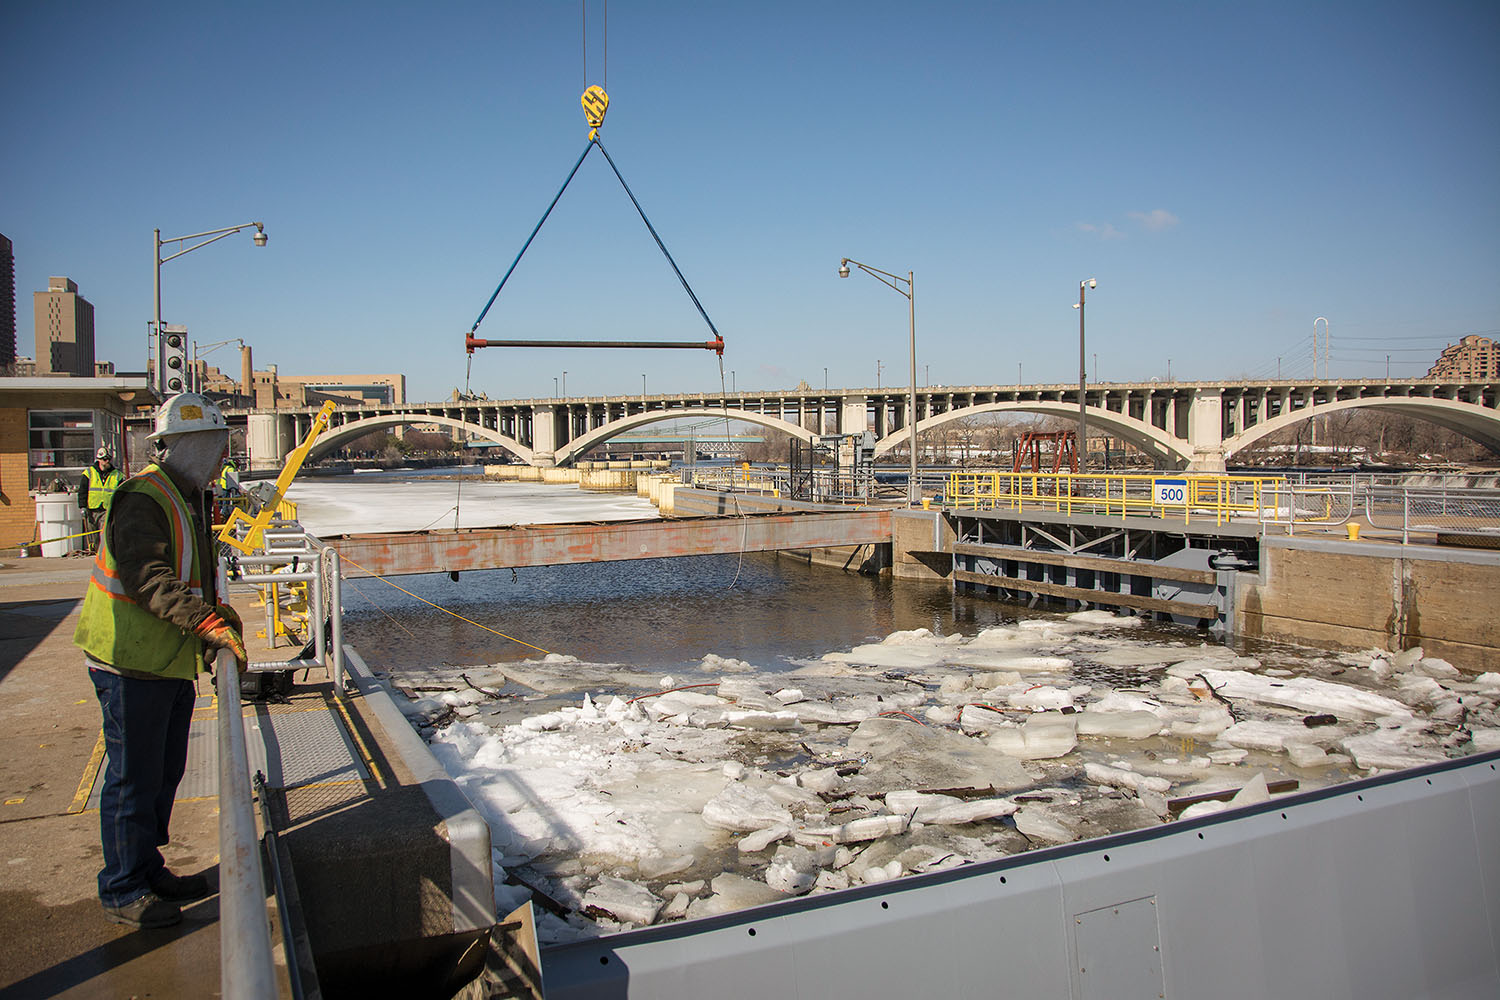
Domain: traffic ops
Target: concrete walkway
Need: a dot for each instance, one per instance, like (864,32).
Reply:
(57,942)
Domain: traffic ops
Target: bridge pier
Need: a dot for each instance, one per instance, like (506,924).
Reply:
(543,437)
(1206,431)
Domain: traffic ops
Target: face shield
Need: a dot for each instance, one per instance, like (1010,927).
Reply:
(195,457)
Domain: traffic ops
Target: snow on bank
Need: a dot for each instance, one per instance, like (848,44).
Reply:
(661,798)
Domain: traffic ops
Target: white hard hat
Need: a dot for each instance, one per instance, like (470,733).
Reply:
(103,453)
(185,413)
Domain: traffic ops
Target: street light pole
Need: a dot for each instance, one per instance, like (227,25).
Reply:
(565,385)
(913,488)
(1083,420)
(214,235)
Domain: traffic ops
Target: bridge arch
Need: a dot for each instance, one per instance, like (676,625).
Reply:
(580,445)
(1155,442)
(1477,423)
(336,437)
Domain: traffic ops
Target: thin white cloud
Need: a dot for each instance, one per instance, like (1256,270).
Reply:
(1103,230)
(1155,220)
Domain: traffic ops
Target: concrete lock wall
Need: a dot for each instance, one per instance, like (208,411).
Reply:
(1362,595)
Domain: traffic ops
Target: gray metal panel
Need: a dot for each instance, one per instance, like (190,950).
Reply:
(297,749)
(1387,887)
(468,836)
(1118,952)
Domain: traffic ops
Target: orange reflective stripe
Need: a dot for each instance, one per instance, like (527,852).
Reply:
(187,565)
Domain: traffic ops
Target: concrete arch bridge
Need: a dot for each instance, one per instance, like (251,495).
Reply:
(1183,425)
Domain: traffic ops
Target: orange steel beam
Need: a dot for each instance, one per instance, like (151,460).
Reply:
(451,551)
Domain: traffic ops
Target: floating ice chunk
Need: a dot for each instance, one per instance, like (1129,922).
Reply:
(466,711)
(657,867)
(902,754)
(1136,656)
(1415,690)
(1120,701)
(1031,664)
(821,780)
(1485,739)
(714,664)
(734,770)
(918,806)
(742,808)
(1231,756)
(545,722)
(1039,823)
(857,830)
(1203,809)
(1306,694)
(423,710)
(1255,790)
(622,900)
(882,873)
(1388,748)
(691,889)
(789,696)
(1489,683)
(1043,735)
(827,714)
(793,870)
(970,811)
(940,714)
(789,794)
(677,908)
(732,892)
(1104,618)
(1407,658)
(762,720)
(1041,698)
(1260,734)
(975,719)
(1136,725)
(1211,721)
(761,839)
(1431,667)
(1306,755)
(1101,774)
(828,881)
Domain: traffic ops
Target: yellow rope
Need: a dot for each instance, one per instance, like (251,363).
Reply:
(455,614)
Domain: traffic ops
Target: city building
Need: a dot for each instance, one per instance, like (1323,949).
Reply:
(50,427)
(273,390)
(64,330)
(7,305)
(1473,357)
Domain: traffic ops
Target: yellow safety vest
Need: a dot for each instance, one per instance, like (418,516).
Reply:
(102,488)
(113,628)
(224,476)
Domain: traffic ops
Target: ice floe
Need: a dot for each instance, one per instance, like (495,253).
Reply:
(631,799)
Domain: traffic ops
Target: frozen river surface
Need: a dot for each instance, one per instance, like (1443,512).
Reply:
(708,734)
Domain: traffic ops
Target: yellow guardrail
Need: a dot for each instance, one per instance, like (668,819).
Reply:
(1166,495)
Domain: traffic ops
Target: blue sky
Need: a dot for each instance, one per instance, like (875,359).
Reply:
(1228,173)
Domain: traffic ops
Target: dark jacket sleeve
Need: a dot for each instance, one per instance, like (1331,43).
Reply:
(140,539)
(83,492)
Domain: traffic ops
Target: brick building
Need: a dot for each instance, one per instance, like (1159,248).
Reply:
(1473,357)
(64,330)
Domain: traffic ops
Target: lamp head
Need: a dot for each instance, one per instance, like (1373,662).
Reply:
(844,268)
(260,235)
(1092,283)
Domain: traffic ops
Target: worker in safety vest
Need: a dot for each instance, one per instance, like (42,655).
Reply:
(149,617)
(226,487)
(95,488)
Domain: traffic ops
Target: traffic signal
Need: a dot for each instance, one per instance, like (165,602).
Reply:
(173,359)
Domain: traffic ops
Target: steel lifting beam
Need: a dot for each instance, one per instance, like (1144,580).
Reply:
(716,345)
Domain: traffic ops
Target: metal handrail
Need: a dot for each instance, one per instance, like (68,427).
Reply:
(246,967)
(1461,510)
(1224,498)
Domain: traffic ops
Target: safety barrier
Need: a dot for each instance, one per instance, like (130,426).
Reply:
(291,557)
(246,969)
(1166,495)
(1444,511)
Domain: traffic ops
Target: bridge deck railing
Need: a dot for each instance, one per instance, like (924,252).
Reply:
(1441,511)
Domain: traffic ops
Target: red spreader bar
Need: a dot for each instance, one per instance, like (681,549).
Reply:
(716,345)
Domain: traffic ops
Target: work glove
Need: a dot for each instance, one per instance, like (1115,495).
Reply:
(220,634)
(231,616)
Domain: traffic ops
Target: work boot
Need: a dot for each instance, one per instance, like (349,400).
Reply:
(149,910)
(180,888)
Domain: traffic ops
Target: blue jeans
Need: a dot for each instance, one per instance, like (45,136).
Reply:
(146,738)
